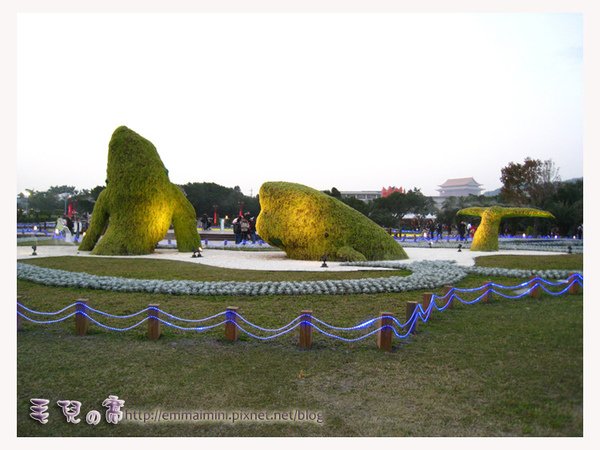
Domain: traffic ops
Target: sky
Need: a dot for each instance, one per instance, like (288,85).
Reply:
(352,100)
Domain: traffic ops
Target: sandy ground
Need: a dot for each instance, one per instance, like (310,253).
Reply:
(266,260)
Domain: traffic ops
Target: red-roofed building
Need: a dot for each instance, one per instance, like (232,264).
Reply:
(390,190)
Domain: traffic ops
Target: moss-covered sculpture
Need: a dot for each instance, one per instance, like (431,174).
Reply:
(308,224)
(135,210)
(486,236)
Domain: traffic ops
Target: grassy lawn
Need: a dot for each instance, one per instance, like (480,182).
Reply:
(505,368)
(179,270)
(545,262)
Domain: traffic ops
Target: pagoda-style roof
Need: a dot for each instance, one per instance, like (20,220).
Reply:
(460,182)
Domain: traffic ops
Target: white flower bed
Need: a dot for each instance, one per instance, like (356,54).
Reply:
(425,275)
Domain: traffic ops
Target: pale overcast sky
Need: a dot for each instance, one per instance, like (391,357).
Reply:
(355,101)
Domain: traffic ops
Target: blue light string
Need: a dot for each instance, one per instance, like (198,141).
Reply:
(360,326)
(471,302)
(266,338)
(514,297)
(199,329)
(268,330)
(517,286)
(171,316)
(109,327)
(547,291)
(469,289)
(46,321)
(41,313)
(113,316)
(341,338)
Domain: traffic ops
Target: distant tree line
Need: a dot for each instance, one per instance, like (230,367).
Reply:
(533,183)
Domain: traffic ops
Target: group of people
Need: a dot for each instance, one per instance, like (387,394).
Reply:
(244,228)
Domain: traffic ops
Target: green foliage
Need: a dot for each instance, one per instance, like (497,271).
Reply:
(308,224)
(451,206)
(349,254)
(389,211)
(530,183)
(204,196)
(486,236)
(139,203)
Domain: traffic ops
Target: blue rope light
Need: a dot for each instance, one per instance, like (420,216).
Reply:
(268,330)
(360,326)
(109,327)
(418,313)
(341,338)
(182,319)
(113,316)
(41,313)
(45,321)
(199,329)
(514,297)
(266,338)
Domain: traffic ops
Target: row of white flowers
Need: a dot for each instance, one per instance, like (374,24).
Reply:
(425,275)
(479,270)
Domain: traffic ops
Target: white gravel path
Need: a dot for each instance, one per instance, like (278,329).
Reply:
(276,261)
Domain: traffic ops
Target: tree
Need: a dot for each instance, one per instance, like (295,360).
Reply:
(531,183)
(399,204)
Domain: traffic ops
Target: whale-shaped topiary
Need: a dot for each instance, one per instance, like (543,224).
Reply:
(308,224)
(486,236)
(134,212)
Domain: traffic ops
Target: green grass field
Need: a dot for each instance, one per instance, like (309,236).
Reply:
(508,368)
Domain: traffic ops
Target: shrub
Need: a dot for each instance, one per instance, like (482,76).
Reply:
(308,224)
(134,212)
(486,236)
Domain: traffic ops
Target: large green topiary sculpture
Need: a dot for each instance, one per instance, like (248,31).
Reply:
(139,203)
(486,236)
(308,224)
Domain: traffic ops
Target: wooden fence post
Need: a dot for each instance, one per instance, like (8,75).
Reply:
(384,336)
(306,329)
(574,289)
(427,299)
(536,291)
(153,322)
(487,296)
(81,321)
(231,330)
(411,307)
(447,289)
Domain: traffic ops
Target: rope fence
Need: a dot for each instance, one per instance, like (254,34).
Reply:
(384,326)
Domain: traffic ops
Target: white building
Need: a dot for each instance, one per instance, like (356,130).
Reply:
(460,187)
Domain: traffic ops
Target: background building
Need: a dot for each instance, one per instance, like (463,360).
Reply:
(460,187)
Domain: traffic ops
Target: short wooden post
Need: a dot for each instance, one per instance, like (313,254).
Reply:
(427,299)
(536,291)
(81,321)
(487,295)
(450,298)
(306,329)
(411,307)
(384,335)
(231,330)
(153,322)
(574,288)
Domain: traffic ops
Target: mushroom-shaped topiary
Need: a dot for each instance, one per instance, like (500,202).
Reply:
(139,203)
(486,236)
(308,224)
